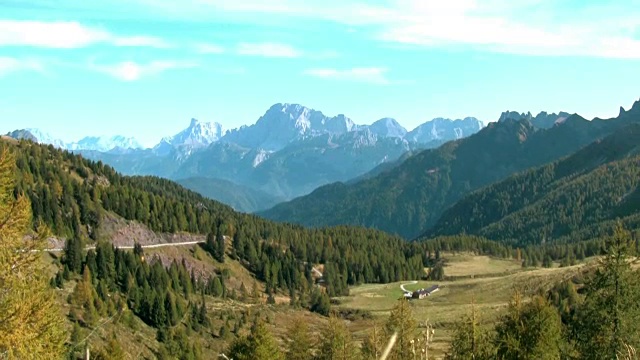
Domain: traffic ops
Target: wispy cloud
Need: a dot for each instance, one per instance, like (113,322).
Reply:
(132,71)
(10,64)
(531,27)
(66,35)
(268,49)
(374,75)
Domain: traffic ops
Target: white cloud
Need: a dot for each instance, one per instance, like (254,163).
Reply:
(132,71)
(204,48)
(268,49)
(374,75)
(533,27)
(65,35)
(10,64)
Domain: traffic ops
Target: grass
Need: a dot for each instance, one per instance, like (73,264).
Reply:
(486,282)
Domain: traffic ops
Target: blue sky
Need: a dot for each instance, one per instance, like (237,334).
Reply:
(146,67)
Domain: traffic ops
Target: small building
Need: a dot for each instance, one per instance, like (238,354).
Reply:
(423,293)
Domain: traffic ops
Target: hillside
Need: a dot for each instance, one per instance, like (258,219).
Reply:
(240,198)
(87,203)
(410,198)
(574,199)
(75,196)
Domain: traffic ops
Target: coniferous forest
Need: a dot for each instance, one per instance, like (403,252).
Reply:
(49,192)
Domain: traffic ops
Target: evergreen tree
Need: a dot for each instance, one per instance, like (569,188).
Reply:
(73,254)
(609,318)
(219,249)
(373,345)
(299,342)
(335,342)
(532,331)
(210,243)
(401,321)
(470,341)
(260,345)
(31,326)
(320,302)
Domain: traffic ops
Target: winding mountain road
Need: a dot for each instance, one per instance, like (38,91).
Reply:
(409,283)
(153,246)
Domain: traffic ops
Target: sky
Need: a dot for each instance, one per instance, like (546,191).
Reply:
(144,68)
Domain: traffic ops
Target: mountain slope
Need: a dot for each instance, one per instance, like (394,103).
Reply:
(411,197)
(76,197)
(568,200)
(239,197)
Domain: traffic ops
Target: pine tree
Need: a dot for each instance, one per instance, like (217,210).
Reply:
(299,342)
(609,318)
(219,249)
(401,322)
(335,342)
(30,322)
(73,254)
(210,243)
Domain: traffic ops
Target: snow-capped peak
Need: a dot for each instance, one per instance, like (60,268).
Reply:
(105,143)
(46,138)
(197,135)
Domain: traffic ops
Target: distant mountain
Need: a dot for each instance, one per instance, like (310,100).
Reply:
(197,135)
(576,198)
(38,136)
(22,134)
(290,151)
(409,198)
(240,198)
(388,127)
(543,120)
(104,143)
(300,167)
(440,129)
(88,143)
(283,124)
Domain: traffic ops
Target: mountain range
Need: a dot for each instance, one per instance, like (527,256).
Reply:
(290,151)
(114,143)
(410,197)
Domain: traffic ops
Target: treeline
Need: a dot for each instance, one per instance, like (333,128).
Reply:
(531,256)
(72,195)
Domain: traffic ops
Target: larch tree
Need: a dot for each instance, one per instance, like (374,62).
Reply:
(260,345)
(336,342)
(300,344)
(373,345)
(31,325)
(609,317)
(401,321)
(529,331)
(470,341)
